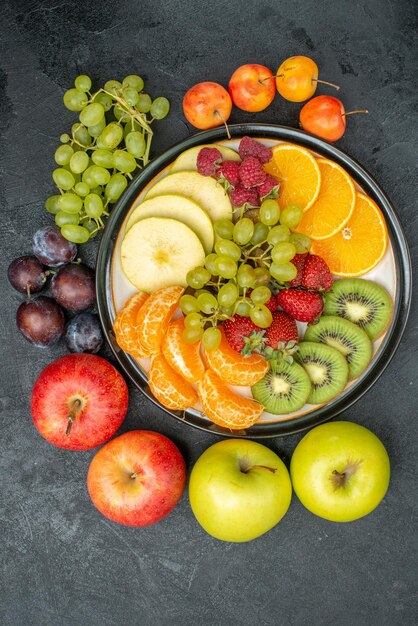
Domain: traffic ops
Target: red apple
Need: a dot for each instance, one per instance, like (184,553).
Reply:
(207,105)
(79,401)
(252,87)
(137,478)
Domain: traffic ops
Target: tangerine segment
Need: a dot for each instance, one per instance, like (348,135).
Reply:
(299,175)
(170,389)
(125,326)
(334,205)
(224,407)
(360,245)
(233,367)
(184,358)
(155,315)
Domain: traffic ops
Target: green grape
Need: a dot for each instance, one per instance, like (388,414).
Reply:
(160,108)
(63,218)
(91,226)
(260,233)
(193,320)
(210,263)
(192,335)
(75,233)
(113,86)
(301,241)
(246,275)
(65,138)
(82,189)
(51,204)
(121,115)
(96,130)
(228,310)
(111,135)
(144,103)
(83,82)
(124,162)
(63,154)
(132,126)
(198,292)
(291,216)
(278,234)
(211,338)
(228,295)
(197,277)
(93,205)
(224,228)
(283,252)
(102,157)
(261,316)
(81,134)
(228,248)
(104,99)
(92,114)
(207,303)
(225,266)
(135,143)
(115,187)
(243,309)
(97,190)
(70,203)
(243,231)
(63,179)
(130,95)
(260,295)
(269,212)
(96,175)
(283,272)
(79,162)
(188,304)
(75,99)
(262,276)
(133,81)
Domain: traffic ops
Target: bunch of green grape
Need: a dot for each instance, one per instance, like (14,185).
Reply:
(249,260)
(109,142)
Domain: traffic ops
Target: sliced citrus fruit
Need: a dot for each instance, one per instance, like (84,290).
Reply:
(125,326)
(334,204)
(298,173)
(169,387)
(359,246)
(184,358)
(233,367)
(224,407)
(155,315)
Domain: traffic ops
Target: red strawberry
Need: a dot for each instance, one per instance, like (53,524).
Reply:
(250,147)
(299,262)
(283,329)
(241,196)
(304,306)
(316,274)
(270,188)
(236,328)
(251,172)
(207,160)
(228,173)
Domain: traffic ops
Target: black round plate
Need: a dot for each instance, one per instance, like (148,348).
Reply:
(400,251)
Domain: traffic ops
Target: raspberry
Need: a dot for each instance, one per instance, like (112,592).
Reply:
(228,173)
(270,188)
(241,196)
(207,160)
(251,172)
(250,147)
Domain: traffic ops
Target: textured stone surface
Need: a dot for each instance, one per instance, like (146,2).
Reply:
(64,564)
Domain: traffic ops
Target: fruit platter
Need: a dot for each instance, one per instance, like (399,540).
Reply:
(253,286)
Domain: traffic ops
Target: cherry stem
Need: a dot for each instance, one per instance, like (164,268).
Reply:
(354,112)
(273,470)
(72,415)
(325,82)
(224,122)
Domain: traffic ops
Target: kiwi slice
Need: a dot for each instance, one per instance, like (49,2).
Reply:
(349,339)
(362,302)
(284,389)
(326,367)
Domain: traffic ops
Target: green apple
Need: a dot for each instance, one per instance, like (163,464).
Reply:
(239,490)
(340,471)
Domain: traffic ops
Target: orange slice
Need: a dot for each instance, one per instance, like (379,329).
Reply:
(184,358)
(334,205)
(360,245)
(170,389)
(224,407)
(125,326)
(233,367)
(155,315)
(299,175)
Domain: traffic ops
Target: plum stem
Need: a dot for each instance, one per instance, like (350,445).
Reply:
(74,412)
(325,82)
(224,123)
(354,112)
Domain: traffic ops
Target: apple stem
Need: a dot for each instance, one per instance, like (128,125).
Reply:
(224,123)
(273,470)
(325,82)
(354,112)
(72,415)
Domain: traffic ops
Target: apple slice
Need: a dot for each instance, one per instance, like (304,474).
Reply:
(158,252)
(201,189)
(187,159)
(178,208)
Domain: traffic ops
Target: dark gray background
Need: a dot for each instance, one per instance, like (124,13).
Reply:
(62,562)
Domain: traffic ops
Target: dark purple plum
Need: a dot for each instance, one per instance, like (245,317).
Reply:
(84,333)
(50,247)
(41,321)
(73,287)
(26,274)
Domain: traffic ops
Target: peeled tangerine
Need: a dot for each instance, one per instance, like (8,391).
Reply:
(170,389)
(155,315)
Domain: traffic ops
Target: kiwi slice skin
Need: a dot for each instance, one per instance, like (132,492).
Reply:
(362,302)
(284,389)
(326,367)
(351,340)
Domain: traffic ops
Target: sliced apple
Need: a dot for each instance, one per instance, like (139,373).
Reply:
(178,208)
(201,189)
(158,252)
(187,159)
